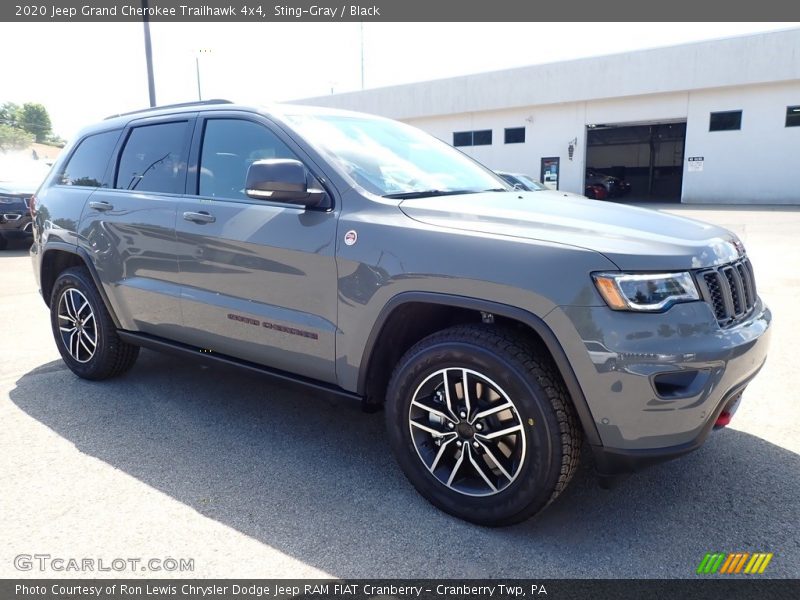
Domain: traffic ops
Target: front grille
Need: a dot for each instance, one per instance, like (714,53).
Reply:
(730,290)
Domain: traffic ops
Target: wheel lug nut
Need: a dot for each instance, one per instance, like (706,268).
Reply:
(476,445)
(450,426)
(463,414)
(459,443)
(479,427)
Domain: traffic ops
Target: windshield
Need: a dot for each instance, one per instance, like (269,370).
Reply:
(21,173)
(532,184)
(392,159)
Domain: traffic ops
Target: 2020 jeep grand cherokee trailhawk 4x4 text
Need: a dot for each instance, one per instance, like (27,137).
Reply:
(500,328)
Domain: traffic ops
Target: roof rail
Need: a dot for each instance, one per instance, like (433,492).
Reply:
(179,105)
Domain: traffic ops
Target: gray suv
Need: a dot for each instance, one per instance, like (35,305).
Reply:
(499,329)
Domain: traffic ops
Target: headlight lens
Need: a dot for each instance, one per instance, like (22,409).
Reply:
(647,292)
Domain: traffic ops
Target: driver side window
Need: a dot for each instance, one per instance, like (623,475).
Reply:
(229,147)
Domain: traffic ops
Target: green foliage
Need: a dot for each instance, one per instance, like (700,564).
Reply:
(9,112)
(12,138)
(33,118)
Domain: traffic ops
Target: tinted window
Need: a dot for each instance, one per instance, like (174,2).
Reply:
(462,138)
(230,146)
(515,135)
(482,138)
(88,163)
(725,121)
(793,116)
(153,159)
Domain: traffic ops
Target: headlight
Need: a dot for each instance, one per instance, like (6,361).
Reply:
(645,291)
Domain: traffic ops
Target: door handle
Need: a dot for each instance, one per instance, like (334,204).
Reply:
(201,217)
(101,206)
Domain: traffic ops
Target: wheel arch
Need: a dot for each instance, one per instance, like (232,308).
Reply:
(59,256)
(465,308)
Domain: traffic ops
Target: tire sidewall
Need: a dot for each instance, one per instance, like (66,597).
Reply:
(533,486)
(75,279)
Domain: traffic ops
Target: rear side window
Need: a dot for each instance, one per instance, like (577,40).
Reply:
(153,159)
(87,165)
(230,146)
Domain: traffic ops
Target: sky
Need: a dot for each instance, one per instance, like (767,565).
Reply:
(83,72)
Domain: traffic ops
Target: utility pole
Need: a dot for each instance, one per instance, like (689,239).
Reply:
(197,69)
(362,53)
(148,54)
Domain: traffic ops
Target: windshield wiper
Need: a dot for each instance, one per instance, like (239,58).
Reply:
(427,194)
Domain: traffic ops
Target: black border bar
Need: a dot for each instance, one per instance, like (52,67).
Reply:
(400,11)
(712,587)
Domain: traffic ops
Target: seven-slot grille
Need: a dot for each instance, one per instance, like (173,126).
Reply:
(730,290)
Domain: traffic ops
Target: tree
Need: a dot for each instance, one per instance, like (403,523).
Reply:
(33,118)
(12,138)
(8,114)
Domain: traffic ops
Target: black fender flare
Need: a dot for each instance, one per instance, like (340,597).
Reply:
(511,312)
(87,261)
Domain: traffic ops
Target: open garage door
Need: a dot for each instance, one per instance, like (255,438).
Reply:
(641,162)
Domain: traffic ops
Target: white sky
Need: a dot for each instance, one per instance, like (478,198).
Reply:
(83,72)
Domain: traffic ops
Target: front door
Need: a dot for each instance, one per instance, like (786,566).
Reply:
(259,278)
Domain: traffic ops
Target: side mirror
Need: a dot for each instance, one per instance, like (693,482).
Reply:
(282,180)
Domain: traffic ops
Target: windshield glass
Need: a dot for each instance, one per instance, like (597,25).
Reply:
(532,184)
(389,158)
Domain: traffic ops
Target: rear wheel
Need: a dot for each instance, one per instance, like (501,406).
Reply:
(84,331)
(481,425)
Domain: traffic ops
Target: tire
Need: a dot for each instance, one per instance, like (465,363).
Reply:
(3,242)
(524,395)
(84,331)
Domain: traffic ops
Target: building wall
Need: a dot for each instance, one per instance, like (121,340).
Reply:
(759,164)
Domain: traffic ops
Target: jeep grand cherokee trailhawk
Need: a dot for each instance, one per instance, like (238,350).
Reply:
(499,328)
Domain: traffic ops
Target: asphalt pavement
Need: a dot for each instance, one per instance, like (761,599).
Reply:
(250,478)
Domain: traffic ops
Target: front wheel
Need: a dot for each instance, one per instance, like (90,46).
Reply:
(84,331)
(481,424)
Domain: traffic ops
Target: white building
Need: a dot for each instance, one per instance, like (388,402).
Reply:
(709,122)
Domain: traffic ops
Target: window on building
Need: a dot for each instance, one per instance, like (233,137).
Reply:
(462,138)
(482,137)
(87,165)
(515,135)
(728,120)
(154,159)
(793,116)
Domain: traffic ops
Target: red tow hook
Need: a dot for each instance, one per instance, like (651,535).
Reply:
(723,419)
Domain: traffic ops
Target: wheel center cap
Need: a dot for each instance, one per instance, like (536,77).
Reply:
(465,430)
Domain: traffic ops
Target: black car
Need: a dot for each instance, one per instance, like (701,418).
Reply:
(19,179)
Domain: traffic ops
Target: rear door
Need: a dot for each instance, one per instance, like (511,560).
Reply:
(259,277)
(129,228)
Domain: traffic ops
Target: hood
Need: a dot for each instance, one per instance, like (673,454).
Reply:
(18,188)
(632,238)
(557,193)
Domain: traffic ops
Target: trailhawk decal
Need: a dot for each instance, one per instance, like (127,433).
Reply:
(274,326)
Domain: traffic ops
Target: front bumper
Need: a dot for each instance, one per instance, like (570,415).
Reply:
(655,384)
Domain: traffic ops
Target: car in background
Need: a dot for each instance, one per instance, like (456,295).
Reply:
(20,177)
(522,182)
(595,192)
(526,183)
(614,186)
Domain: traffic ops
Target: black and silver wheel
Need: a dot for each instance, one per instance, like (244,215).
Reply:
(83,329)
(481,425)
